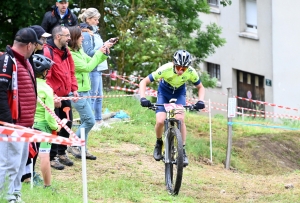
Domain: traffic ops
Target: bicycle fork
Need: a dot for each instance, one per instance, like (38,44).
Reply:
(167,143)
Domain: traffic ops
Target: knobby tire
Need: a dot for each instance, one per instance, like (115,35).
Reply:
(174,172)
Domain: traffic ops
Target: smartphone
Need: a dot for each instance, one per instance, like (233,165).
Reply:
(114,40)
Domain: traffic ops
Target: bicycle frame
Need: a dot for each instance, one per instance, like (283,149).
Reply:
(173,148)
(170,121)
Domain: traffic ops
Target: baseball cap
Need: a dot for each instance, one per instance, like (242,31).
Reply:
(40,32)
(62,0)
(26,35)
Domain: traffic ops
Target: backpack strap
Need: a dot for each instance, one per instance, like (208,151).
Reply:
(50,52)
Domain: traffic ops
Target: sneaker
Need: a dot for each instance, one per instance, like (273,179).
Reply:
(64,159)
(185,159)
(157,150)
(75,151)
(17,200)
(37,180)
(100,125)
(56,164)
(90,156)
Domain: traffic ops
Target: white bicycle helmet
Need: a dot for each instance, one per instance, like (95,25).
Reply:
(182,58)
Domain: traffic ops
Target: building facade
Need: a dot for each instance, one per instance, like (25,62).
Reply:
(260,58)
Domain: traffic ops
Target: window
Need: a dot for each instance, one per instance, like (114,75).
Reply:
(248,79)
(212,2)
(214,6)
(251,16)
(241,77)
(256,81)
(214,70)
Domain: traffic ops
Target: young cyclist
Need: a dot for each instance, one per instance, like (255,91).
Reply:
(43,121)
(172,77)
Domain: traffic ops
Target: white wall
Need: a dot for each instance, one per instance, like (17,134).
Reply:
(275,55)
(286,53)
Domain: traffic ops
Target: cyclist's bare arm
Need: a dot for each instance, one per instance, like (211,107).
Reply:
(201,91)
(143,84)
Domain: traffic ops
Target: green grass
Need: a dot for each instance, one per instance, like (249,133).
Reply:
(125,171)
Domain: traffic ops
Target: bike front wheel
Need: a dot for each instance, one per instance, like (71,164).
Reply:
(174,166)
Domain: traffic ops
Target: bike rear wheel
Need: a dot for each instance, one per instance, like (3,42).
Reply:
(174,168)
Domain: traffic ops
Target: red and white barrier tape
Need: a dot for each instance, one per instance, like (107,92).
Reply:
(266,103)
(130,82)
(124,76)
(56,99)
(58,120)
(212,107)
(124,89)
(250,100)
(21,134)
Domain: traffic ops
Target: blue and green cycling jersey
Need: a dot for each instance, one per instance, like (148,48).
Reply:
(172,83)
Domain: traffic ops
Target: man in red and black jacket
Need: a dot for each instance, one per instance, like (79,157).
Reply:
(17,106)
(59,15)
(61,78)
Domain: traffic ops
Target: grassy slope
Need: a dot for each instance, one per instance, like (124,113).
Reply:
(126,172)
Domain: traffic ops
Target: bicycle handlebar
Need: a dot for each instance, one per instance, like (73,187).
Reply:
(189,107)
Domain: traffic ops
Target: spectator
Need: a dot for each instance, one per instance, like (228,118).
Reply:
(59,15)
(91,43)
(61,78)
(43,121)
(17,106)
(42,36)
(83,66)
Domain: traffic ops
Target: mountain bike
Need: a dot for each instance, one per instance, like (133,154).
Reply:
(172,150)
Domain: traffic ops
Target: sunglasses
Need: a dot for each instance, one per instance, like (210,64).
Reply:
(183,68)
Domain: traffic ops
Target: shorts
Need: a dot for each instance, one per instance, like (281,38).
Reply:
(45,147)
(164,99)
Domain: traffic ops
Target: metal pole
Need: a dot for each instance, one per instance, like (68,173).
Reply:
(210,133)
(83,163)
(229,132)
(242,114)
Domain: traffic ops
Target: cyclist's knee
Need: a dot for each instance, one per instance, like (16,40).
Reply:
(159,122)
(181,118)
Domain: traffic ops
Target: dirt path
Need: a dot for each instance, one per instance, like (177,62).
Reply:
(202,182)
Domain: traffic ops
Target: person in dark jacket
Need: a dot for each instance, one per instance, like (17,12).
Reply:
(61,78)
(59,15)
(17,106)
(42,36)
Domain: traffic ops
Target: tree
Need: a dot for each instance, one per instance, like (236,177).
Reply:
(150,31)
(98,4)
(226,2)
(16,14)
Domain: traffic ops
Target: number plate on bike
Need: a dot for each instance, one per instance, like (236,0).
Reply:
(172,106)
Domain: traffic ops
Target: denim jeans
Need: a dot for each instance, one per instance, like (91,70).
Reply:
(87,118)
(96,90)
